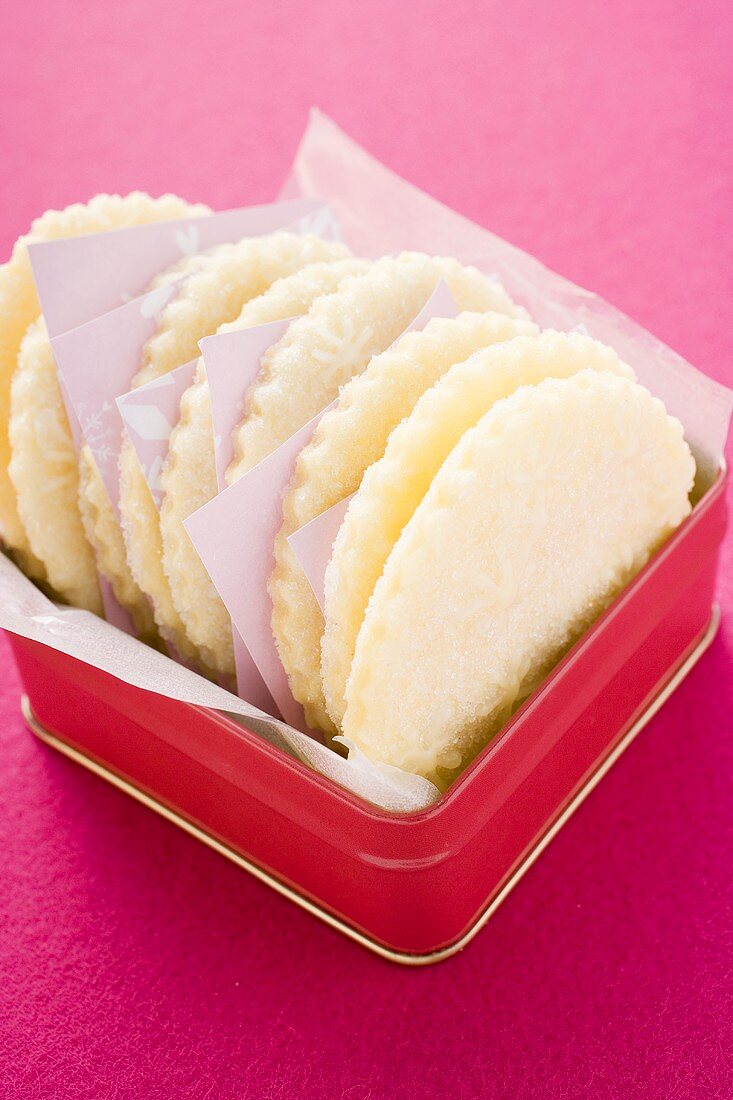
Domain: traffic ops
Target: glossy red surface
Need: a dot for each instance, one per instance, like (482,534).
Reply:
(415,883)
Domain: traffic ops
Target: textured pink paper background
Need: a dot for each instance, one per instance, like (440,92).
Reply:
(132,961)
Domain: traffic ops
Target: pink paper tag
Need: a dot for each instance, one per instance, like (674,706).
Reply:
(312,545)
(113,611)
(250,684)
(74,426)
(96,363)
(149,414)
(234,535)
(232,361)
(79,278)
(235,532)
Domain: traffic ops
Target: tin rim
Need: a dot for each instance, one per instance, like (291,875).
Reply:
(405,958)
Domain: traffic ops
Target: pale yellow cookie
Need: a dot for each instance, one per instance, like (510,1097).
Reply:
(140,528)
(19,308)
(188,480)
(189,477)
(537,519)
(293,295)
(348,439)
(45,474)
(393,487)
(338,336)
(104,535)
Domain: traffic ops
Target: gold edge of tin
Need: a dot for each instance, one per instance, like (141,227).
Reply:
(403,957)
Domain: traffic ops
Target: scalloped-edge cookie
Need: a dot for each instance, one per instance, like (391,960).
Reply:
(45,474)
(338,336)
(536,520)
(393,487)
(348,439)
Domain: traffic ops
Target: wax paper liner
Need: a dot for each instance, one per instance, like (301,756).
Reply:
(27,612)
(381,213)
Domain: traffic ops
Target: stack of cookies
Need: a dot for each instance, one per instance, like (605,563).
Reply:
(503,483)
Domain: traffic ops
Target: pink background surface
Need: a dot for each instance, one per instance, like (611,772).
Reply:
(133,961)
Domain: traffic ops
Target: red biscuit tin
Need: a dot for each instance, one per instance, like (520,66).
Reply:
(412,887)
